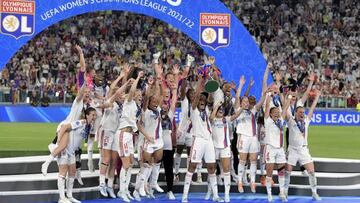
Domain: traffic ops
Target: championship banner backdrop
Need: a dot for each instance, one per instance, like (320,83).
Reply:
(208,22)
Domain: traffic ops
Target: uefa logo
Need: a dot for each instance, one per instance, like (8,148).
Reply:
(214,30)
(17,18)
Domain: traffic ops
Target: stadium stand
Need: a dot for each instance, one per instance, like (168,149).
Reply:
(300,37)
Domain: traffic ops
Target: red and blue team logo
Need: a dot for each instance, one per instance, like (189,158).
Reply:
(214,30)
(17,17)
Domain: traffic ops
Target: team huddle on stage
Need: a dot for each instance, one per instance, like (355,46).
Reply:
(138,115)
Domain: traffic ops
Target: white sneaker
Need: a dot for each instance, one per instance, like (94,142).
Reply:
(73,200)
(150,193)
(157,188)
(217,199)
(103,190)
(282,197)
(51,147)
(63,200)
(124,197)
(128,194)
(136,195)
(90,164)
(184,199)
(227,198)
(78,176)
(270,198)
(253,187)
(44,168)
(208,195)
(111,192)
(240,187)
(170,195)
(142,191)
(316,197)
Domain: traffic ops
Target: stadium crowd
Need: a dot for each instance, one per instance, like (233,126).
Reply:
(300,37)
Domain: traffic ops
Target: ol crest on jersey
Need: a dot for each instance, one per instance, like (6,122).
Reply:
(214,30)
(17,18)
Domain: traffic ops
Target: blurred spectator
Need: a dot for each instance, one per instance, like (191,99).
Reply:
(352,101)
(35,98)
(45,100)
(298,36)
(13,92)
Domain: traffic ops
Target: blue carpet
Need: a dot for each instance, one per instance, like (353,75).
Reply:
(236,197)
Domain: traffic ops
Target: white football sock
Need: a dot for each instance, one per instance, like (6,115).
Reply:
(155,173)
(61,186)
(313,182)
(281,178)
(110,182)
(122,177)
(241,170)
(187,183)
(268,185)
(69,186)
(227,182)
(213,183)
(287,180)
(253,171)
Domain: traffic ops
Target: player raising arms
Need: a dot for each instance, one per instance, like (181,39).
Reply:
(107,141)
(221,138)
(274,152)
(246,129)
(69,140)
(124,136)
(152,131)
(298,150)
(203,146)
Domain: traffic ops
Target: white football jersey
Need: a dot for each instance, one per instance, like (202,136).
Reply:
(79,131)
(246,123)
(296,137)
(185,121)
(274,132)
(76,110)
(221,132)
(129,115)
(201,124)
(110,121)
(75,113)
(152,124)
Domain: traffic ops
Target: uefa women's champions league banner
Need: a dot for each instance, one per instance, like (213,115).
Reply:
(208,22)
(56,114)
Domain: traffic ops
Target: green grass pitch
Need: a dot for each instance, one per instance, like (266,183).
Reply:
(23,139)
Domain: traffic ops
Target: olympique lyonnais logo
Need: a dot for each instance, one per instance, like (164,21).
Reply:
(214,30)
(17,17)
